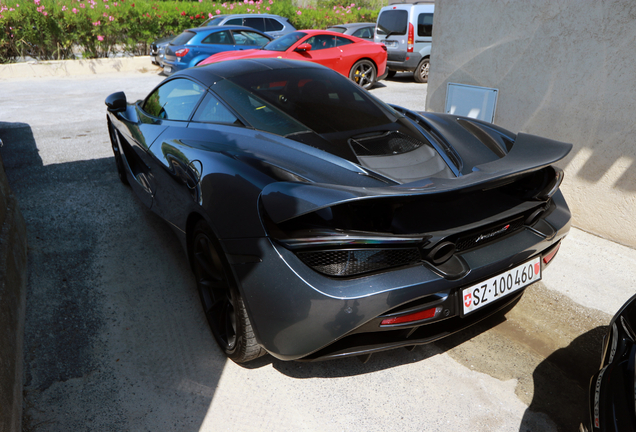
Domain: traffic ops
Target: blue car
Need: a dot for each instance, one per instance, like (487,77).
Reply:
(195,45)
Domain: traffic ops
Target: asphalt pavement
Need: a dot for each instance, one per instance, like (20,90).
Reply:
(116,340)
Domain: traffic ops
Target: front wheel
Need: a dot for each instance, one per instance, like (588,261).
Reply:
(421,73)
(364,74)
(222,303)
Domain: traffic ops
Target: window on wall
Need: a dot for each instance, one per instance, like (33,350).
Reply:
(425,24)
(174,100)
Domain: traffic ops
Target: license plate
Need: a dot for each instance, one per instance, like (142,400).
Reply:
(390,44)
(167,69)
(502,285)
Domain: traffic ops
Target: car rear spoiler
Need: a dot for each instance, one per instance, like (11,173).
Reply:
(287,200)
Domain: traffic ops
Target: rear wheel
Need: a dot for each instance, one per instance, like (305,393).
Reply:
(222,303)
(421,73)
(119,162)
(363,73)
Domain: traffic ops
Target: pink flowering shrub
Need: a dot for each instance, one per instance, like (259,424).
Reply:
(63,29)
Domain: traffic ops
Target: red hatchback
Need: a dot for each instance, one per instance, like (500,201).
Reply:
(361,60)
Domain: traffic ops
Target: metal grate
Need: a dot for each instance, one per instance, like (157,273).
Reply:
(358,261)
(387,144)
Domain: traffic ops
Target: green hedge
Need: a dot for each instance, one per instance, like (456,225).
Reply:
(63,29)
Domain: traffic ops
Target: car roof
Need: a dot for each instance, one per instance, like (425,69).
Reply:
(219,28)
(313,32)
(213,72)
(352,25)
(250,16)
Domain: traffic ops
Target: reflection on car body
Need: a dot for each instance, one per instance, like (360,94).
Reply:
(321,222)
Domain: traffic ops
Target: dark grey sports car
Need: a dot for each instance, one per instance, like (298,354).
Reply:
(321,222)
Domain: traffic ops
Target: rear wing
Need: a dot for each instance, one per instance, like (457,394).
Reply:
(286,200)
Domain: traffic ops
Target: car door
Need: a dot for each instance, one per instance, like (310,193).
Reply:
(216,42)
(323,51)
(169,106)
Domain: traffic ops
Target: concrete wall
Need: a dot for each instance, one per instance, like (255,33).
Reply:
(564,70)
(13,256)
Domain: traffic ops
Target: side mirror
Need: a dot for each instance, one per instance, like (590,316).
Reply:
(116,102)
(303,47)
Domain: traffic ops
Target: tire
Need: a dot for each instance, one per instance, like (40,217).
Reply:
(222,304)
(119,162)
(421,72)
(391,74)
(364,74)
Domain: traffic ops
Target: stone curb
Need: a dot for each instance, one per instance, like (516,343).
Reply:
(61,68)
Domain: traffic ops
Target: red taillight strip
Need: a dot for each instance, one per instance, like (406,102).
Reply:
(417,316)
(549,256)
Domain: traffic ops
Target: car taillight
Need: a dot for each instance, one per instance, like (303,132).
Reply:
(547,258)
(417,316)
(182,52)
(411,38)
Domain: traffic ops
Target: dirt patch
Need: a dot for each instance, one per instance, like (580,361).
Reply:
(548,343)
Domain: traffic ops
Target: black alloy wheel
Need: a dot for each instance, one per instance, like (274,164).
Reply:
(363,73)
(119,162)
(222,303)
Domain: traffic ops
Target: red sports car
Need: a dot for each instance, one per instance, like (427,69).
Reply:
(361,60)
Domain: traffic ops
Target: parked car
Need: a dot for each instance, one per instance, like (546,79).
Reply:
(195,45)
(273,25)
(321,222)
(361,30)
(613,387)
(406,30)
(362,61)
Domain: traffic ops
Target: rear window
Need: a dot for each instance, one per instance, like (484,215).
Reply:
(183,38)
(337,29)
(393,22)
(322,100)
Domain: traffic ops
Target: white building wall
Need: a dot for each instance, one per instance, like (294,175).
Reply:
(566,70)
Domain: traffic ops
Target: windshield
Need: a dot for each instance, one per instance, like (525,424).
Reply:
(212,21)
(284,42)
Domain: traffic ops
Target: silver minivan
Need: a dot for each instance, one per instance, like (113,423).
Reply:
(406,30)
